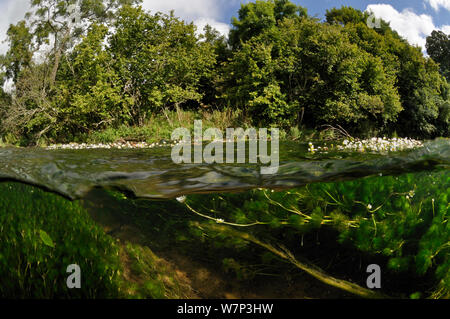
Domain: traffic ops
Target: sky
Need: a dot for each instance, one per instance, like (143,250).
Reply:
(412,19)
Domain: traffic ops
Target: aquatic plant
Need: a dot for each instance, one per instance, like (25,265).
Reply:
(374,145)
(41,234)
(401,218)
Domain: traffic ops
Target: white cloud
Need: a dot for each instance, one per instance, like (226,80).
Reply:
(201,12)
(413,27)
(446,29)
(11,11)
(188,10)
(437,4)
(223,28)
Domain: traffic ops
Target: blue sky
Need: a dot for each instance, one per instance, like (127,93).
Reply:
(319,7)
(413,19)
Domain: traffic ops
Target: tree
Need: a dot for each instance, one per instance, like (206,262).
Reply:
(20,52)
(345,15)
(303,70)
(419,84)
(90,92)
(109,62)
(417,78)
(159,59)
(256,17)
(438,47)
(30,114)
(61,22)
(122,69)
(209,83)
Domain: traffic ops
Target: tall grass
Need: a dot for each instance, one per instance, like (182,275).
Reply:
(161,126)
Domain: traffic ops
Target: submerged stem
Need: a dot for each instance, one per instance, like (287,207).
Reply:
(221,221)
(306,266)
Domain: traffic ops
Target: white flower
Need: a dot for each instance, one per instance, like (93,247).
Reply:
(369,206)
(181,199)
(219,220)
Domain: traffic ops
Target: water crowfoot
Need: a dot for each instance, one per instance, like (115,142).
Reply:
(374,145)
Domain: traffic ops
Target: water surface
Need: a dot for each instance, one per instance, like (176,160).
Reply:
(151,173)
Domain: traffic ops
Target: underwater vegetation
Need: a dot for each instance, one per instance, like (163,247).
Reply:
(41,234)
(403,218)
(398,222)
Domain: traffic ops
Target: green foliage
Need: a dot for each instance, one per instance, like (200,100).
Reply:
(438,47)
(421,89)
(46,239)
(42,234)
(116,64)
(159,59)
(91,87)
(304,69)
(20,50)
(150,63)
(398,222)
(404,219)
(345,15)
(160,126)
(258,17)
(415,77)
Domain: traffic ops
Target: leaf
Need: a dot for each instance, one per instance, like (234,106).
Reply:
(416,295)
(46,239)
